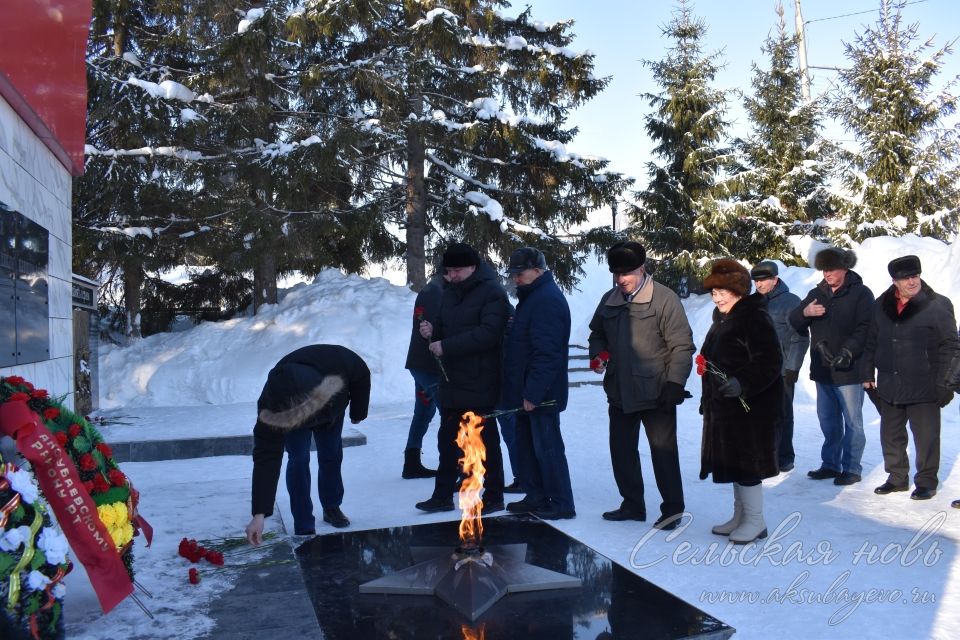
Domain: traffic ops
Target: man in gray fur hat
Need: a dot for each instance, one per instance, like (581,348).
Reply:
(305,398)
(837,313)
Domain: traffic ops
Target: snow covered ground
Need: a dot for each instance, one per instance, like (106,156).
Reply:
(840,562)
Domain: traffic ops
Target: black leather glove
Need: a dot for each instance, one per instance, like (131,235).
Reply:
(825,354)
(790,376)
(672,394)
(843,360)
(730,388)
(944,396)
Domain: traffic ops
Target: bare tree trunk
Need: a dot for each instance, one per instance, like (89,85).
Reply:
(132,288)
(416,206)
(265,280)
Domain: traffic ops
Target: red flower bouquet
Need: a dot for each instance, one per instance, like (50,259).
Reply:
(705,366)
(418,313)
(600,361)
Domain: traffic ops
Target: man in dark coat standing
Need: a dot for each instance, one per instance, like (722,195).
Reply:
(535,371)
(793,346)
(306,396)
(641,341)
(910,345)
(425,370)
(837,313)
(468,337)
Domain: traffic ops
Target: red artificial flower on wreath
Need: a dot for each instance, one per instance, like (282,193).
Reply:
(19,396)
(88,485)
(14,380)
(40,394)
(117,478)
(51,413)
(61,438)
(194,576)
(105,449)
(99,484)
(74,430)
(87,462)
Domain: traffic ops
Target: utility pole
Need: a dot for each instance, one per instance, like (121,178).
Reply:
(613,211)
(802,53)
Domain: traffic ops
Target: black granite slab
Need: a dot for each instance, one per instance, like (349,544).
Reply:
(611,603)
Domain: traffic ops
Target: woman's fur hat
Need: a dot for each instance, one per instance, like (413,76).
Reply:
(728,274)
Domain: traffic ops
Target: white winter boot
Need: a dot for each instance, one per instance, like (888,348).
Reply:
(727,527)
(752,527)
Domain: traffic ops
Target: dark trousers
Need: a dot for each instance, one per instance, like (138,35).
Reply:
(543,459)
(924,419)
(784,431)
(660,425)
(329,481)
(448,468)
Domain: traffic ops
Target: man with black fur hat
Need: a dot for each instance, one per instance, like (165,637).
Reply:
(641,341)
(468,336)
(793,344)
(305,398)
(911,343)
(837,313)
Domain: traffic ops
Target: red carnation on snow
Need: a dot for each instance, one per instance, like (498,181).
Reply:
(214,557)
(194,576)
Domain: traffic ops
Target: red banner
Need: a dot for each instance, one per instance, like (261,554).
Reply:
(72,505)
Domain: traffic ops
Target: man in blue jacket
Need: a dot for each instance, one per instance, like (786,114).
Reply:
(793,345)
(535,373)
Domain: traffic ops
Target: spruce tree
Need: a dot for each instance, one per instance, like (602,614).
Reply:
(679,217)
(779,177)
(459,115)
(903,177)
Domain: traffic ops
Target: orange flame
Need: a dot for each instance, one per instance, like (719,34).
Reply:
(473,634)
(474,455)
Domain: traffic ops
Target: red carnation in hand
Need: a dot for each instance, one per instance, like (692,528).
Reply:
(74,430)
(14,380)
(19,396)
(51,413)
(418,312)
(88,462)
(117,478)
(40,394)
(701,364)
(600,361)
(105,449)
(100,485)
(61,438)
(194,576)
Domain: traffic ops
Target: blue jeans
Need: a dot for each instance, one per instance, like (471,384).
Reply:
(428,383)
(508,432)
(329,480)
(840,410)
(543,459)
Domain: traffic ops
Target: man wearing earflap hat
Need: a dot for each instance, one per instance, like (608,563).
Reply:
(305,399)
(910,345)
(641,327)
(468,337)
(837,313)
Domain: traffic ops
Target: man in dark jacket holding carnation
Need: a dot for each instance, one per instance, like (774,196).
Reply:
(910,345)
(468,337)
(641,341)
(305,397)
(535,372)
(837,313)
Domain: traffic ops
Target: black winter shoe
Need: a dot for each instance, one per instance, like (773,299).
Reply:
(668,523)
(955,504)
(335,518)
(888,487)
(618,515)
(552,512)
(435,505)
(822,474)
(413,468)
(513,487)
(786,466)
(923,493)
(491,507)
(527,506)
(846,478)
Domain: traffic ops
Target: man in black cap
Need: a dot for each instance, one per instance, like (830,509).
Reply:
(837,313)
(911,343)
(535,372)
(793,345)
(305,398)
(468,337)
(641,341)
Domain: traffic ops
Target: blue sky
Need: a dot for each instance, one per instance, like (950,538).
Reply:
(623,32)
